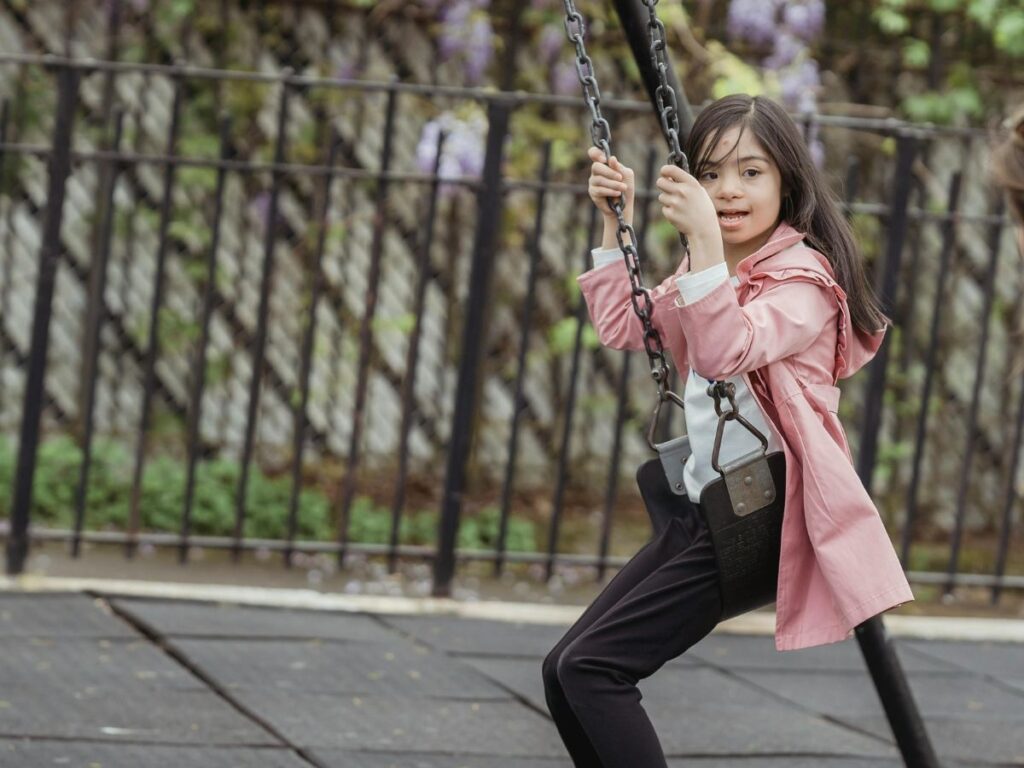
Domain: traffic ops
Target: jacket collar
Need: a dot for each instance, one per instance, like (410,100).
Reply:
(782,238)
(854,347)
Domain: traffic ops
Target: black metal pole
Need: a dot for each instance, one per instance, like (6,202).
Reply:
(198,373)
(488,219)
(316,289)
(412,355)
(879,653)
(1010,503)
(634,18)
(562,468)
(7,260)
(891,683)
(366,341)
(156,304)
(259,341)
(995,233)
(49,252)
(949,232)
(518,399)
(906,151)
(95,315)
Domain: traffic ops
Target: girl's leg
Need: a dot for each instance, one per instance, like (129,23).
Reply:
(655,553)
(661,617)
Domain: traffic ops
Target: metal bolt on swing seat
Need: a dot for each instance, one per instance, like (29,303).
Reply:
(748,479)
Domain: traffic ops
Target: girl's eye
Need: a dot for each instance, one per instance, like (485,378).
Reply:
(752,171)
(709,176)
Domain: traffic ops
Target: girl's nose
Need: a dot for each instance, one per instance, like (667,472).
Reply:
(728,190)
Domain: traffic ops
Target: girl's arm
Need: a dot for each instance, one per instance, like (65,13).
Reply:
(608,292)
(725,339)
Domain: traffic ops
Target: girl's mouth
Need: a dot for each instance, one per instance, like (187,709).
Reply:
(731,219)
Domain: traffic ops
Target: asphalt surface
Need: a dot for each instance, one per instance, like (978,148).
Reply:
(108,682)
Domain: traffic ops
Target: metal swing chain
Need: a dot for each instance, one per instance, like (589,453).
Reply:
(601,134)
(668,111)
(664,94)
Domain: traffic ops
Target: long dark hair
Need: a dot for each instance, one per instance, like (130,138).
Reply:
(807,203)
(1007,164)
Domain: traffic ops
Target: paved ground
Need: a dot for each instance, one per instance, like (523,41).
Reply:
(135,683)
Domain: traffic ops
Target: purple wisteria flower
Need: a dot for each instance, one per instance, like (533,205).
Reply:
(788,27)
(259,207)
(564,79)
(479,48)
(463,151)
(788,48)
(141,7)
(347,69)
(753,20)
(817,149)
(805,19)
(799,85)
(454,20)
(551,42)
(466,32)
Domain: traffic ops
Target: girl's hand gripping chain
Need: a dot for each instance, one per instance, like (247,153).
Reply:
(607,182)
(689,208)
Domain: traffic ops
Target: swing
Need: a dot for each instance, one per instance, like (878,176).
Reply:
(743,507)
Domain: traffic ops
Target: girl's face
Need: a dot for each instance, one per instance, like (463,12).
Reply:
(746,187)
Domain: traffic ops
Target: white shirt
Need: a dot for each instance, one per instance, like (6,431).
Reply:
(701,419)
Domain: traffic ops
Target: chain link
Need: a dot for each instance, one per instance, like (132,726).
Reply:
(601,134)
(665,96)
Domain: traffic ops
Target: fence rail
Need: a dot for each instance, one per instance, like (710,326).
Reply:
(294,313)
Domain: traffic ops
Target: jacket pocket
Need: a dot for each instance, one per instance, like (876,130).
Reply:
(828,394)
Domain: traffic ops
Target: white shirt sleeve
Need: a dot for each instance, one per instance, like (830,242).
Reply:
(694,285)
(604,256)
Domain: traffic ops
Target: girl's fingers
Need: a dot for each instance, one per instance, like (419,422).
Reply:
(601,170)
(607,189)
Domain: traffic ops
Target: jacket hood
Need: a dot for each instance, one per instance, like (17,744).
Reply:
(785,255)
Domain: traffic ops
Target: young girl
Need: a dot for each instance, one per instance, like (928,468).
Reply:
(774,299)
(1008,169)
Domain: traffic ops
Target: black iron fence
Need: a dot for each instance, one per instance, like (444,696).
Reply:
(313,296)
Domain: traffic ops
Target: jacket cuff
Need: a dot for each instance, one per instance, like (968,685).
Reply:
(695,285)
(602,257)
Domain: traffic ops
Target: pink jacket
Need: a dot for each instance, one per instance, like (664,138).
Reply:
(786,328)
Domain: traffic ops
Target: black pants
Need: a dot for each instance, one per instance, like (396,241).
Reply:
(659,604)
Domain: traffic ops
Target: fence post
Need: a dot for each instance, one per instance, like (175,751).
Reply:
(484,245)
(875,644)
(259,341)
(28,443)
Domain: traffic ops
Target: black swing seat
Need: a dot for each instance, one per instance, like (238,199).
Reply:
(746,546)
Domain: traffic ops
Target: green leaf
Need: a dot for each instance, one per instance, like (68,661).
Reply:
(916,53)
(562,336)
(891,22)
(983,11)
(182,8)
(732,74)
(1009,32)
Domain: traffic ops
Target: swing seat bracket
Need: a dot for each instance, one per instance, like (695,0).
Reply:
(749,482)
(673,454)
